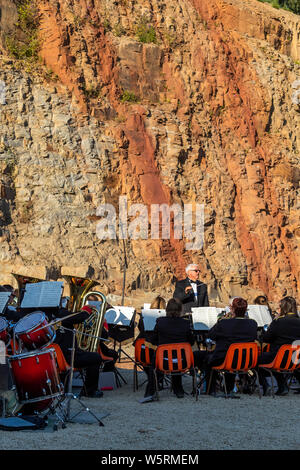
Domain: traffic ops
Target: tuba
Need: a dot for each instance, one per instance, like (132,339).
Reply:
(88,331)
(22,281)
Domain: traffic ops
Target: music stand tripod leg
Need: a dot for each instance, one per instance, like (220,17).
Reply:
(70,395)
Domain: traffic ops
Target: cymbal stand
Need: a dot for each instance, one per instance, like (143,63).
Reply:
(65,403)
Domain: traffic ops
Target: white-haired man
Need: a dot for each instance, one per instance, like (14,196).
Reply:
(191,291)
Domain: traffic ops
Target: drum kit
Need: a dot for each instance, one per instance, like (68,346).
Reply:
(34,368)
(32,363)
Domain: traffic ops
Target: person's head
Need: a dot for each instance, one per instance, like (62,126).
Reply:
(192,271)
(288,305)
(174,308)
(239,307)
(261,300)
(158,303)
(93,297)
(231,299)
(8,288)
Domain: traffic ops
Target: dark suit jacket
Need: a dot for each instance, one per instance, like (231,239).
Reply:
(284,330)
(231,330)
(172,330)
(188,300)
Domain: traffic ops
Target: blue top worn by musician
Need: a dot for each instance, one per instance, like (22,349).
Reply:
(190,291)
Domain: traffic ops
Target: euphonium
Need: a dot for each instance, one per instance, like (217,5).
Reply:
(92,327)
(22,281)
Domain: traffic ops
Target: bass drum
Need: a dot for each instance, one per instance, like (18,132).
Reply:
(36,379)
(34,331)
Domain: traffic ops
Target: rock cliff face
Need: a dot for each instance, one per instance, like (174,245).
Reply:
(208,113)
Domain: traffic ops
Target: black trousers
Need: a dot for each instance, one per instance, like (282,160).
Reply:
(109,365)
(90,362)
(267,358)
(176,379)
(205,362)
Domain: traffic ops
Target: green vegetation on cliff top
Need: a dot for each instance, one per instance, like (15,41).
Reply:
(290,5)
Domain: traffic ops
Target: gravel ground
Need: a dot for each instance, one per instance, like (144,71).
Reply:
(172,423)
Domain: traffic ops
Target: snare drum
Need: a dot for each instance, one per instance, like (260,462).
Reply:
(4,336)
(28,331)
(36,379)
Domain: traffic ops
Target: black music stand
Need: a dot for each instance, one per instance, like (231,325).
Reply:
(120,333)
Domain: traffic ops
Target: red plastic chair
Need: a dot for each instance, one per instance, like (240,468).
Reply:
(175,358)
(286,361)
(64,367)
(105,358)
(240,359)
(142,358)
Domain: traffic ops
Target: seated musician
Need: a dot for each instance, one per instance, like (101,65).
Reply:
(168,330)
(284,329)
(11,312)
(158,303)
(262,300)
(235,328)
(109,356)
(90,361)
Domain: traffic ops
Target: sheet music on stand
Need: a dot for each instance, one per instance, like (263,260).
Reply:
(4,297)
(150,316)
(260,314)
(204,318)
(43,294)
(119,315)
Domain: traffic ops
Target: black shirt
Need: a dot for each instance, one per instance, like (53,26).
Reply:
(229,331)
(172,330)
(189,300)
(283,330)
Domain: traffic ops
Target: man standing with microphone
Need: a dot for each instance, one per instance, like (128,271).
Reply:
(190,291)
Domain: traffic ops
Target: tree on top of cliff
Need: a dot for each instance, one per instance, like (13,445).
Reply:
(291,5)
(23,44)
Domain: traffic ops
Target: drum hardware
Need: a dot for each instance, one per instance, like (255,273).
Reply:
(41,394)
(65,404)
(62,408)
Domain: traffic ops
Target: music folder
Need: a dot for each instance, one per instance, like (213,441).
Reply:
(119,315)
(259,313)
(150,316)
(4,297)
(204,318)
(45,294)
